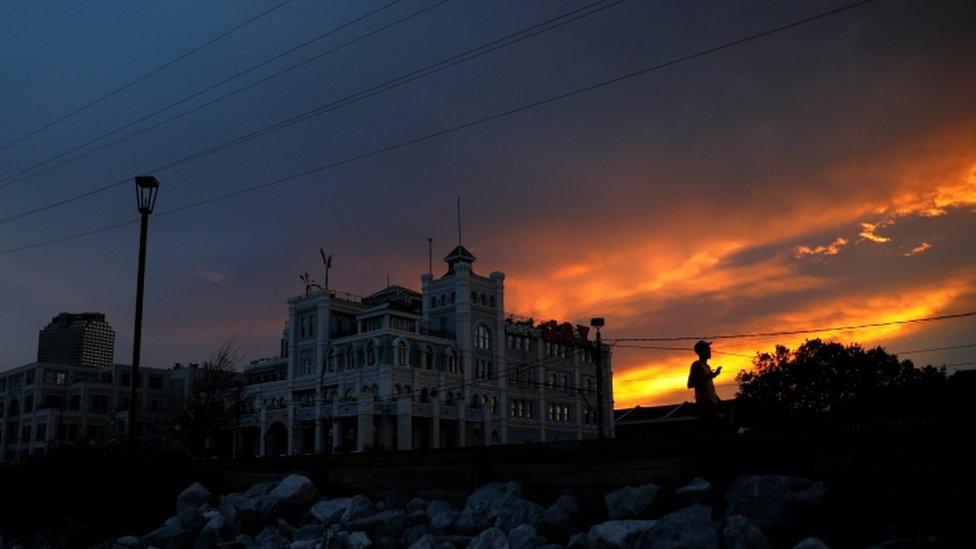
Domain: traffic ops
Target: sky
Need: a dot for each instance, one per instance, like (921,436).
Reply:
(820,176)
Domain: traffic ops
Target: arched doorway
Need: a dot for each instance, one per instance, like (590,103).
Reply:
(276,440)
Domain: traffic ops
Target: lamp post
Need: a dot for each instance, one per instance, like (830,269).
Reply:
(146,189)
(598,361)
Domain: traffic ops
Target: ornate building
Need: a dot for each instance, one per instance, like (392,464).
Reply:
(444,367)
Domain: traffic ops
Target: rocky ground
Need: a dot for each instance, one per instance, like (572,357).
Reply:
(293,513)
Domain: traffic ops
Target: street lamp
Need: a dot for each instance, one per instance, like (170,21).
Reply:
(598,361)
(147,187)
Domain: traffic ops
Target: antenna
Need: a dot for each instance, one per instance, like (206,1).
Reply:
(430,255)
(459,218)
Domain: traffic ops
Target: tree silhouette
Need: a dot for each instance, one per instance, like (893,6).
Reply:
(822,380)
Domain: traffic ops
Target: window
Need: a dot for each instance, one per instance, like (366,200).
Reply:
(491,301)
(429,358)
(156,382)
(29,380)
(482,369)
(452,362)
(306,325)
(99,403)
(474,297)
(25,432)
(29,403)
(306,365)
(126,379)
(330,360)
(401,354)
(350,358)
(41,432)
(482,338)
(371,353)
(74,403)
(484,299)
(493,405)
(402,324)
(53,377)
(552,380)
(565,382)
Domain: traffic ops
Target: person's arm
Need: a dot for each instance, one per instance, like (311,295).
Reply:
(716,372)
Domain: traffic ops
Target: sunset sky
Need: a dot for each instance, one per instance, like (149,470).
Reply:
(821,176)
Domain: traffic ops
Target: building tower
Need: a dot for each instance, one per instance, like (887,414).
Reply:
(82,339)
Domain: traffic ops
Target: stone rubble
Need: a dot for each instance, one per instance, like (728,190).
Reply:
(293,514)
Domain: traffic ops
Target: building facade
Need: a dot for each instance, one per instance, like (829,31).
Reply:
(42,404)
(82,339)
(443,367)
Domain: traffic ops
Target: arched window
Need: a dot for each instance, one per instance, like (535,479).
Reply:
(452,362)
(424,394)
(484,299)
(401,354)
(350,358)
(452,297)
(429,358)
(330,360)
(493,405)
(433,302)
(491,301)
(375,390)
(407,389)
(482,339)
(370,353)
(552,380)
(350,395)
(474,297)
(396,390)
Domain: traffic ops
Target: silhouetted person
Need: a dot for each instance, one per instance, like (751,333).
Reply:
(700,379)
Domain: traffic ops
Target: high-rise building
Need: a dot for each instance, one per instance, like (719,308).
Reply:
(82,339)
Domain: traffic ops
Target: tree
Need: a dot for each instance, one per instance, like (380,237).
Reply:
(218,398)
(821,380)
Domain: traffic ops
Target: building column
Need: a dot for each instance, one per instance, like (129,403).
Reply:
(461,431)
(290,424)
(318,425)
(263,432)
(435,425)
(404,431)
(364,433)
(336,433)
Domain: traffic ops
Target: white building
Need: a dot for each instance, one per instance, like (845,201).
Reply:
(445,367)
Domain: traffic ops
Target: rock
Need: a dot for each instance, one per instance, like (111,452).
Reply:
(526,537)
(383,524)
(617,534)
(235,544)
(125,542)
(312,531)
(578,541)
(518,513)
(194,496)
(632,502)
(191,518)
(396,498)
(556,523)
(169,536)
(416,504)
(811,543)
(485,504)
(492,538)
(418,517)
(696,491)
(776,504)
(304,544)
(689,527)
(258,512)
(259,489)
(228,508)
(442,514)
(386,543)
(433,542)
(330,511)
(569,504)
(412,534)
(357,540)
(359,507)
(740,533)
(294,491)
(214,526)
(271,537)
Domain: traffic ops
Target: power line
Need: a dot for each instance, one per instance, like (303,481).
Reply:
(682,349)
(798,332)
(144,76)
(428,70)
(60,62)
(934,349)
(18,176)
(457,128)
(12,10)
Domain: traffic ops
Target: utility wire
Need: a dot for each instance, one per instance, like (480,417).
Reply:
(454,129)
(144,76)
(406,78)
(18,176)
(798,332)
(12,10)
(84,46)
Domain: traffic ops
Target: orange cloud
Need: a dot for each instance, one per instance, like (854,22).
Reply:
(831,249)
(918,249)
(868,232)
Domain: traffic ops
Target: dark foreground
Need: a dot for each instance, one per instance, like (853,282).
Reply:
(909,484)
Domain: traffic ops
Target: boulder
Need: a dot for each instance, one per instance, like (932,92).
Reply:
(492,538)
(696,491)
(441,514)
(485,504)
(169,536)
(357,540)
(330,511)
(413,534)
(191,518)
(578,541)
(739,532)
(259,489)
(689,527)
(418,517)
(194,496)
(632,502)
(258,512)
(569,504)
(617,534)
(312,531)
(214,526)
(304,544)
(517,513)
(270,537)
(396,498)
(526,537)
(294,491)
(779,505)
(811,543)
(228,508)
(556,523)
(359,507)
(125,542)
(416,504)
(388,524)
(434,542)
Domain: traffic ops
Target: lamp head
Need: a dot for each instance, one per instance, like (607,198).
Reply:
(597,322)
(147,187)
